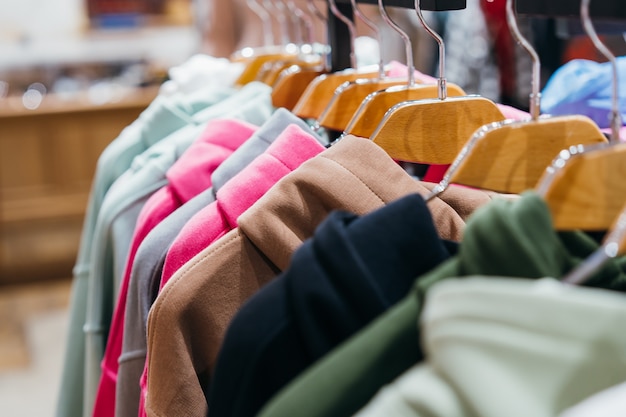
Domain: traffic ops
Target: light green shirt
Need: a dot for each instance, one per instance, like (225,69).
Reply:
(509,347)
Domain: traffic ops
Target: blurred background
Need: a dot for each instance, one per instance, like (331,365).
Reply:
(73,74)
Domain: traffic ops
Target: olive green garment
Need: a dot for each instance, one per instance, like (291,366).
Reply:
(513,239)
(510,347)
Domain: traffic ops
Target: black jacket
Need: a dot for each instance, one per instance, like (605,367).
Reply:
(350,272)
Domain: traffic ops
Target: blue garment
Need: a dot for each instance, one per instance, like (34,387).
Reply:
(585,87)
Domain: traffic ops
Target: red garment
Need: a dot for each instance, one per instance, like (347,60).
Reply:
(189,176)
(495,15)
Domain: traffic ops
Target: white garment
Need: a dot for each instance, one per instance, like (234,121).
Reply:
(201,71)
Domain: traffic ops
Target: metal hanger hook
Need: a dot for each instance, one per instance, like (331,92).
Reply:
(301,22)
(379,37)
(348,22)
(281,18)
(266,20)
(443,91)
(535,95)
(616,117)
(408,46)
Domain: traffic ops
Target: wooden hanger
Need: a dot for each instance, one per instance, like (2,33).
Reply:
(511,156)
(585,188)
(320,92)
(271,76)
(365,102)
(259,60)
(291,84)
(349,96)
(293,80)
(322,89)
(433,131)
(602,195)
(373,108)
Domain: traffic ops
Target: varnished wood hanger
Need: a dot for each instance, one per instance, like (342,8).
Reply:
(261,59)
(585,188)
(293,80)
(349,96)
(602,195)
(433,131)
(320,92)
(511,156)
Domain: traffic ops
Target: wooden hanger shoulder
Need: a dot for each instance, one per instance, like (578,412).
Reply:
(344,104)
(291,84)
(321,90)
(511,157)
(271,76)
(253,66)
(433,131)
(373,108)
(588,191)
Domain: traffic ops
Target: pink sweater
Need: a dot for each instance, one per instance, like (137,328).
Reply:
(189,176)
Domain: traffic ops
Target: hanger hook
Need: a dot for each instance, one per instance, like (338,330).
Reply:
(351,28)
(300,17)
(315,11)
(379,37)
(441,82)
(261,12)
(616,122)
(535,95)
(281,18)
(407,42)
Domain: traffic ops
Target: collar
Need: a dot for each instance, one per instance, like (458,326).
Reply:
(292,147)
(354,175)
(258,143)
(192,172)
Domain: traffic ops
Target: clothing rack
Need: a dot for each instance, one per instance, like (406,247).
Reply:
(339,36)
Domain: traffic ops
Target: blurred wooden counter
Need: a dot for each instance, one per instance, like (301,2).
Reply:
(47,160)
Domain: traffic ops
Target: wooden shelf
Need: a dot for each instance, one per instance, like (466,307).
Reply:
(47,160)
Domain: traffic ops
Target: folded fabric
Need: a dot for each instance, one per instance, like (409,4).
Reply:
(518,348)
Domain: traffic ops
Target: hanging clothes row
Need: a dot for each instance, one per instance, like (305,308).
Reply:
(240,259)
